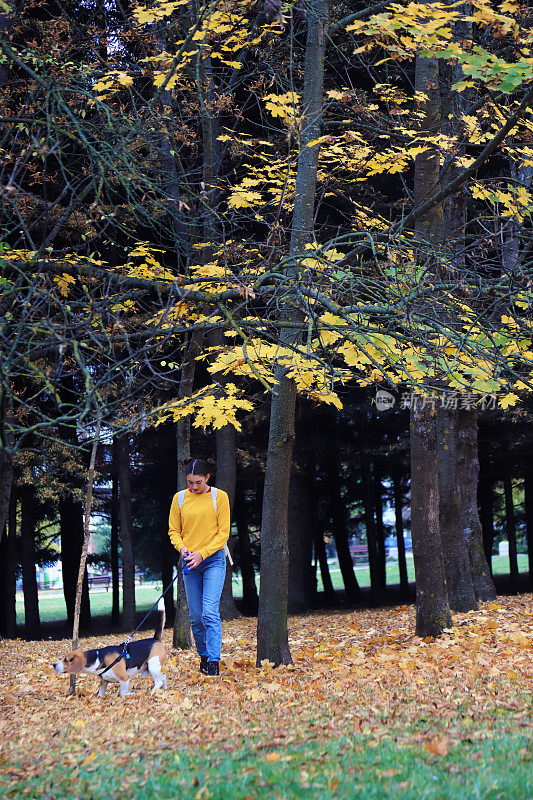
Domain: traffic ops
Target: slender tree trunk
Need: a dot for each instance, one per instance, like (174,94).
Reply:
(6,479)
(300,586)
(380,531)
(6,436)
(86,537)
(29,577)
(486,515)
(71,534)
(167,487)
(340,535)
(226,442)
(433,611)
(126,533)
(249,589)
(402,563)
(8,571)
(432,608)
(468,468)
(272,635)
(319,544)
(115,527)
(367,486)
(181,637)
(528,503)
(510,527)
(461,594)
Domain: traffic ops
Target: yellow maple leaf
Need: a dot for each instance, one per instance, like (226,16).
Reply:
(509,400)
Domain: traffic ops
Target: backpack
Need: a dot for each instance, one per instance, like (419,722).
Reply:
(181,498)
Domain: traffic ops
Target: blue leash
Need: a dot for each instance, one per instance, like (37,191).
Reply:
(125,655)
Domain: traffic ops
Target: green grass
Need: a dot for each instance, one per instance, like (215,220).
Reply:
(52,605)
(358,767)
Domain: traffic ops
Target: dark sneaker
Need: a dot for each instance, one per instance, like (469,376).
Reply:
(203,665)
(212,668)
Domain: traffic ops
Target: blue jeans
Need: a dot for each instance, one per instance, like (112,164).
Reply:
(203,586)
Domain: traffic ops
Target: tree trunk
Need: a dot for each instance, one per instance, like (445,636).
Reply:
(402,563)
(380,531)
(181,636)
(71,534)
(8,572)
(272,635)
(249,589)
(126,533)
(320,546)
(115,527)
(510,527)
(528,504)
(6,480)
(226,458)
(370,526)
(432,608)
(29,577)
(85,546)
(486,515)
(300,586)
(468,470)
(340,535)
(461,594)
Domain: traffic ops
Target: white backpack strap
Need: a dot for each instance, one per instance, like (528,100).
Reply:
(181,498)
(214,499)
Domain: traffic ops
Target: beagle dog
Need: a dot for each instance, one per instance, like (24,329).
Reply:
(144,657)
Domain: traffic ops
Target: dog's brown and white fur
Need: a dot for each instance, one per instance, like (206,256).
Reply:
(145,657)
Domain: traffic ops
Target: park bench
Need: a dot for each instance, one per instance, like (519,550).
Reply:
(359,552)
(100,580)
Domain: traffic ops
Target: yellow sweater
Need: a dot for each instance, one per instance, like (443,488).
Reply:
(196,526)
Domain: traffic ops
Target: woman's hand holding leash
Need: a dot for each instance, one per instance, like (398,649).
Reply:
(191,559)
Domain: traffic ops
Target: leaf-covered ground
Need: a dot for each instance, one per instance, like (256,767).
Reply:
(357,676)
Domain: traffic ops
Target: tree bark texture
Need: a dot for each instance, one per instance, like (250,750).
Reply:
(432,608)
(468,469)
(272,634)
(126,533)
(461,595)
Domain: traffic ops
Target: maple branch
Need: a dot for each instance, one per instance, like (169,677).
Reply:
(452,187)
(366,12)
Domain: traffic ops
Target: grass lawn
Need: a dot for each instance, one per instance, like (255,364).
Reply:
(498,768)
(52,604)
(367,711)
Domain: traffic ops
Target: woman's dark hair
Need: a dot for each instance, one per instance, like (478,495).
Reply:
(199,466)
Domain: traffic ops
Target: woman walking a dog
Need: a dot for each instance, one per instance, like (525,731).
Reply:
(199,525)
